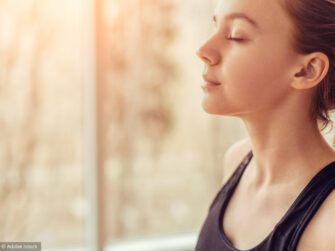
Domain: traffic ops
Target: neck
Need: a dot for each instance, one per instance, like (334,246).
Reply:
(284,150)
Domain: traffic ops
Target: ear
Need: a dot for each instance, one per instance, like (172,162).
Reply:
(312,70)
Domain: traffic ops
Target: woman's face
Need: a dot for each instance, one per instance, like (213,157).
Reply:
(252,73)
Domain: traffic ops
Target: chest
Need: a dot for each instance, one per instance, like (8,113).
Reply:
(250,217)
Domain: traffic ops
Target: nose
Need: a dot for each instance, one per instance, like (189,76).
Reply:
(208,53)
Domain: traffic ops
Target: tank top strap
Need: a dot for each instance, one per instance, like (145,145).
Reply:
(232,182)
(237,174)
(306,205)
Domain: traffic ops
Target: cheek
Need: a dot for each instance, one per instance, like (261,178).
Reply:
(254,78)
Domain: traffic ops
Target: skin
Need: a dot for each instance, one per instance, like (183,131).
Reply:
(268,85)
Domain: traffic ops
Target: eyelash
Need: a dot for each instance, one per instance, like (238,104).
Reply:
(228,37)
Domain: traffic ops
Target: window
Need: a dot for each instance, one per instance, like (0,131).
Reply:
(138,156)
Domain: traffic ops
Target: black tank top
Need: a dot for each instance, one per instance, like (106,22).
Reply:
(287,232)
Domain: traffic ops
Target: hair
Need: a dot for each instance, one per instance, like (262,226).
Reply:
(314,22)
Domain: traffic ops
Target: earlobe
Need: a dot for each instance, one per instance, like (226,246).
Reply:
(301,79)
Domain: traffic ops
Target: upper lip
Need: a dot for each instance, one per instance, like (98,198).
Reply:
(210,80)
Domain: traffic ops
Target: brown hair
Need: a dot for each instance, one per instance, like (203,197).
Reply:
(314,21)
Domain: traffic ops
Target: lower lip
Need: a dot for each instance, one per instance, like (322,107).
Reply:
(207,85)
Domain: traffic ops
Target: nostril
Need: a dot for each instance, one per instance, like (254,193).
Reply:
(200,54)
(207,60)
(208,55)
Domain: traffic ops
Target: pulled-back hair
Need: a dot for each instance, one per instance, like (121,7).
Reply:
(314,22)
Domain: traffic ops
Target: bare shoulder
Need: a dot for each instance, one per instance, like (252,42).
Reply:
(320,232)
(233,157)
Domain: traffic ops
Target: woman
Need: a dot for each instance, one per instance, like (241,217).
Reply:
(272,64)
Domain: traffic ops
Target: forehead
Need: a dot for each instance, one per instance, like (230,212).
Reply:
(269,15)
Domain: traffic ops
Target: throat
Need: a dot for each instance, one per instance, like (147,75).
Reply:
(281,175)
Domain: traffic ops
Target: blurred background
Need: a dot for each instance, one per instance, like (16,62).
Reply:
(103,140)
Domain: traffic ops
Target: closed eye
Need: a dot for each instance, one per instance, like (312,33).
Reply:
(228,37)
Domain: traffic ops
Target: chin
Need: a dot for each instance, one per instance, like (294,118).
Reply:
(211,108)
(216,109)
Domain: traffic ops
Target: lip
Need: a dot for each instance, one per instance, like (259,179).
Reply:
(209,81)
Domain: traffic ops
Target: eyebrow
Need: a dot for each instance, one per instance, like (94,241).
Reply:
(238,15)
